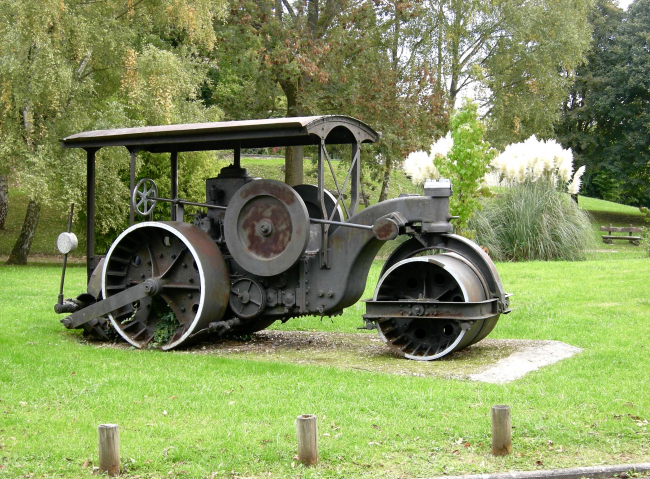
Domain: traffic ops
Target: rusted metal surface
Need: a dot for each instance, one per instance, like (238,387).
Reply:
(266,227)
(191,271)
(264,251)
(385,229)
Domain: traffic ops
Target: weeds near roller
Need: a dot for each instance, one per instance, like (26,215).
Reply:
(167,323)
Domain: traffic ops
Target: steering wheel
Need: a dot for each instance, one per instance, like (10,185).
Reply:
(141,198)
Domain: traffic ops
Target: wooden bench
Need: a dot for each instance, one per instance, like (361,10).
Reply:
(608,238)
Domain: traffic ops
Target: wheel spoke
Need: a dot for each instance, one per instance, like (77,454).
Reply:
(176,261)
(191,287)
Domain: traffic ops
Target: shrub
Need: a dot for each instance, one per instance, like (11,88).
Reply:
(463,156)
(538,160)
(533,221)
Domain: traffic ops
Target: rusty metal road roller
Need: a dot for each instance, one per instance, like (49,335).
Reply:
(259,251)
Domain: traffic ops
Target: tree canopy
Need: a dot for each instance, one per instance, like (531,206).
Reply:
(606,120)
(68,66)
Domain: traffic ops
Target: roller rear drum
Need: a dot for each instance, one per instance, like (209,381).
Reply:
(447,278)
(193,278)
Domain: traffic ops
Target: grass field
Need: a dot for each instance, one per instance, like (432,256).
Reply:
(196,414)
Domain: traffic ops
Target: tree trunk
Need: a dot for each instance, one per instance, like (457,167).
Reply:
(385,184)
(455,54)
(364,196)
(293,165)
(24,242)
(293,155)
(4,200)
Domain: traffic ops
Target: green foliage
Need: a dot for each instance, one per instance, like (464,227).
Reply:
(533,221)
(605,117)
(360,59)
(646,212)
(645,240)
(70,66)
(527,73)
(517,57)
(466,163)
(166,322)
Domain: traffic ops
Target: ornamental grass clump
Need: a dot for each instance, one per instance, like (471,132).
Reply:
(533,221)
(535,218)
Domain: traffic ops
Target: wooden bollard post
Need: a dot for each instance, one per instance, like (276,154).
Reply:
(109,449)
(501,430)
(307,439)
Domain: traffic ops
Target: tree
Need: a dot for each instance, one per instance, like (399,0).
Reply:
(4,199)
(532,67)
(516,57)
(283,43)
(379,74)
(362,59)
(70,65)
(467,161)
(605,118)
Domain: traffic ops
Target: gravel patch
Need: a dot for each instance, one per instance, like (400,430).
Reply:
(491,360)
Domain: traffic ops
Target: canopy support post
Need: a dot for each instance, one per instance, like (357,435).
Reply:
(356,174)
(237,156)
(132,187)
(90,211)
(324,263)
(174,184)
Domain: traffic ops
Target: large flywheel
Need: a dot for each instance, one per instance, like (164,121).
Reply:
(420,289)
(186,280)
(266,227)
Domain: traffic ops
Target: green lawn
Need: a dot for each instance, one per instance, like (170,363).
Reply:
(606,213)
(198,414)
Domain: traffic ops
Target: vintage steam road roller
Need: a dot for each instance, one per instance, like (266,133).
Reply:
(261,251)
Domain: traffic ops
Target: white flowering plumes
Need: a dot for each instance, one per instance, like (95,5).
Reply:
(574,187)
(420,165)
(534,159)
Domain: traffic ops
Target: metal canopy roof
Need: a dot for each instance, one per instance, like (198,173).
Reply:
(225,135)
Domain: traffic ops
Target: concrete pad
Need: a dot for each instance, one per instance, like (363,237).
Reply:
(518,364)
